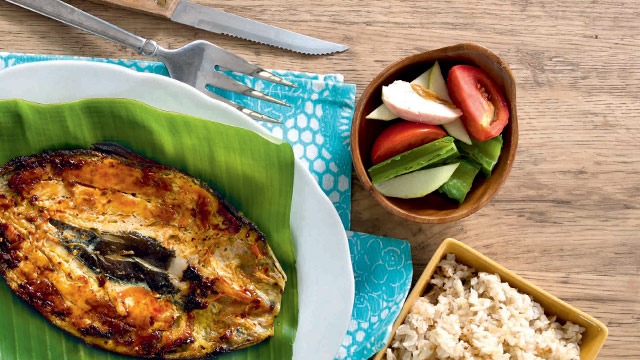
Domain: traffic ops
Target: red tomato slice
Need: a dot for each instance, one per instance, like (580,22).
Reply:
(403,136)
(484,110)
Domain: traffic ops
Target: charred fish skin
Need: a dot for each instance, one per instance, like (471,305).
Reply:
(128,257)
(134,256)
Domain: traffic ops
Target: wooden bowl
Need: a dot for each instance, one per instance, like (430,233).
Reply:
(435,208)
(593,337)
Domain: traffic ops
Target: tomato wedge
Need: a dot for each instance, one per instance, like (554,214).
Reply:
(403,136)
(484,109)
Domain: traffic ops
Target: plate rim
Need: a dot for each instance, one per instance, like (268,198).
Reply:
(318,348)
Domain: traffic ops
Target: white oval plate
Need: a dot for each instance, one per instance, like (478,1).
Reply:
(325,275)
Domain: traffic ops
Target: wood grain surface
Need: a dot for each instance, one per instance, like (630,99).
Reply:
(568,218)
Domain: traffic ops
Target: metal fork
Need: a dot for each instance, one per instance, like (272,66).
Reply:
(199,64)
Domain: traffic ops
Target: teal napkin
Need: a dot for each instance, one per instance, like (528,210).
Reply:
(382,269)
(318,126)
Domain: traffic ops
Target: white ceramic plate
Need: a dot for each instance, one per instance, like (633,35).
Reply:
(325,275)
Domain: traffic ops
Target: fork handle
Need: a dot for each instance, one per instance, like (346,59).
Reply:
(70,15)
(164,8)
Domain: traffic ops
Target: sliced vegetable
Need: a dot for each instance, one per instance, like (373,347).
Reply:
(416,184)
(457,130)
(414,102)
(423,79)
(403,136)
(460,182)
(382,112)
(438,85)
(486,153)
(433,153)
(485,111)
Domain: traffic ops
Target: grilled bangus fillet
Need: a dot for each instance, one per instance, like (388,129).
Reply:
(133,256)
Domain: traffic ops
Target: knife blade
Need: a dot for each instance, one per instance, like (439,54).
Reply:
(220,22)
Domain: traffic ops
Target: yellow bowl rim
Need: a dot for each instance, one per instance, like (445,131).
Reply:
(450,245)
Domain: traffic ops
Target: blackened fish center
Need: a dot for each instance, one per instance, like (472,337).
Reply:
(129,257)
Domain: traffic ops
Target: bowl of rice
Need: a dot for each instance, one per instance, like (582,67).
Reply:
(466,306)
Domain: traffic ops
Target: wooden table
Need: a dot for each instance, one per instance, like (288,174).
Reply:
(568,217)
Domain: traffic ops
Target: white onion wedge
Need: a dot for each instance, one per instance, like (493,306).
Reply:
(423,79)
(383,113)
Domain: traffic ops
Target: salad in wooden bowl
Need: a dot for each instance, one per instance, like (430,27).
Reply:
(434,135)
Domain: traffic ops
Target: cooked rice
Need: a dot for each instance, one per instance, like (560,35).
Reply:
(473,315)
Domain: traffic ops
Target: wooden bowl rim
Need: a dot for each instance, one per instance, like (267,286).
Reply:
(465,209)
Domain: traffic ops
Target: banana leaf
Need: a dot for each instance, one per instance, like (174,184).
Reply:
(253,173)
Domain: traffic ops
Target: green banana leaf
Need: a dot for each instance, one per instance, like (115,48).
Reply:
(253,173)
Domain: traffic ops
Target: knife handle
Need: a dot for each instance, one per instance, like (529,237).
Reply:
(72,16)
(163,8)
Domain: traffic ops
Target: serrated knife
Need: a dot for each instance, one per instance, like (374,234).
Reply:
(220,22)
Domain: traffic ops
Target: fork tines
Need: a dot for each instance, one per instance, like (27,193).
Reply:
(231,62)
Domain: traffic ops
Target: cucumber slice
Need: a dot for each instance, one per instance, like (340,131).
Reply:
(460,182)
(438,85)
(433,153)
(486,153)
(416,184)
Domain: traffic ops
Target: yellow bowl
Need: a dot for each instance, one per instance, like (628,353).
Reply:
(595,332)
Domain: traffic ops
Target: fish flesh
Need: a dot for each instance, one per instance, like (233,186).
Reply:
(134,256)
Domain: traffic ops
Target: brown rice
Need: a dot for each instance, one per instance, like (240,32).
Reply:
(473,315)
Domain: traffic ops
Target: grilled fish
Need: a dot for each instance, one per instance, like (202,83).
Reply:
(133,256)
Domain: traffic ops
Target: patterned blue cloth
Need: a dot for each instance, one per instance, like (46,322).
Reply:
(318,126)
(382,269)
